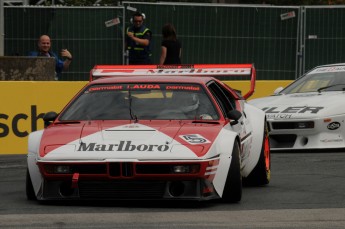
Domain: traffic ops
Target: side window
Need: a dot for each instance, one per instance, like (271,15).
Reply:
(228,96)
(221,96)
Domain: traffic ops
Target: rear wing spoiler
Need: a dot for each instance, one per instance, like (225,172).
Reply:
(219,71)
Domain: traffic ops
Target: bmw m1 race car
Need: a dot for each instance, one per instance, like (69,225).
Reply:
(152,132)
(309,113)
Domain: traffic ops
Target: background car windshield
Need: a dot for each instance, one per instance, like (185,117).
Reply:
(313,82)
(142,101)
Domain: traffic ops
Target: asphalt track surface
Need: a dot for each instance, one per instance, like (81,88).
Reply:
(307,190)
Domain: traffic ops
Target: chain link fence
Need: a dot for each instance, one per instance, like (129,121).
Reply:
(282,41)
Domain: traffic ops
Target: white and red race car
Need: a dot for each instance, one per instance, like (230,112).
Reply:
(309,114)
(152,132)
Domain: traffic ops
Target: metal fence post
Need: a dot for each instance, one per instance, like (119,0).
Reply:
(302,41)
(2,30)
(300,54)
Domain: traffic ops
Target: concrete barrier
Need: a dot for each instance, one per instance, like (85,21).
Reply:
(23,68)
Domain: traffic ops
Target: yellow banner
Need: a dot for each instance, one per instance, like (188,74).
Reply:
(23,104)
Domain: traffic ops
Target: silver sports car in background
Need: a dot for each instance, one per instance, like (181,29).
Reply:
(309,113)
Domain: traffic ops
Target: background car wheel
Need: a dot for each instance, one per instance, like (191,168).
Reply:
(261,174)
(233,186)
(30,193)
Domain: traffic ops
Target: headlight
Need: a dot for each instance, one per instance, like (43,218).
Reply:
(292,125)
(186,168)
(58,169)
(62,169)
(305,125)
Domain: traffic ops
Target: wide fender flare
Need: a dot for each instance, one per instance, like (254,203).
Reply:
(223,147)
(257,119)
(34,142)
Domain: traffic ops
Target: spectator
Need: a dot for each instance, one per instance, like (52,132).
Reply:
(44,46)
(171,48)
(138,41)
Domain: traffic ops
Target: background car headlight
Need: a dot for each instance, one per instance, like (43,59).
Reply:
(305,125)
(293,125)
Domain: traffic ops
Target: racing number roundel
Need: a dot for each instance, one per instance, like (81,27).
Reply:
(194,139)
(333,125)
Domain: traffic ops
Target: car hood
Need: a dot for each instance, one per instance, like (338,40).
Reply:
(302,105)
(109,140)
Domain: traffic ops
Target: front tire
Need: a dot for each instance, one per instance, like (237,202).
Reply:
(233,186)
(30,193)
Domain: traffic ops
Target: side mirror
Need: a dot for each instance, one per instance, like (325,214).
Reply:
(49,118)
(234,115)
(278,90)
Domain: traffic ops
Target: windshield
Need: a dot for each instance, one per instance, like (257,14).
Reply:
(141,101)
(312,82)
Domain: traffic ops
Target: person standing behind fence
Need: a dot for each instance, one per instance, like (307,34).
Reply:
(138,41)
(171,48)
(44,45)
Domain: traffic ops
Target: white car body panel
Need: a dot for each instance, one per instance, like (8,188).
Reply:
(33,148)
(250,160)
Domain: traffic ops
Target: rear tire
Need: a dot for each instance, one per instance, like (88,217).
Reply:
(30,193)
(233,186)
(261,174)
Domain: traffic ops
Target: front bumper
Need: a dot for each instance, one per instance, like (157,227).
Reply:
(127,190)
(128,180)
(306,134)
